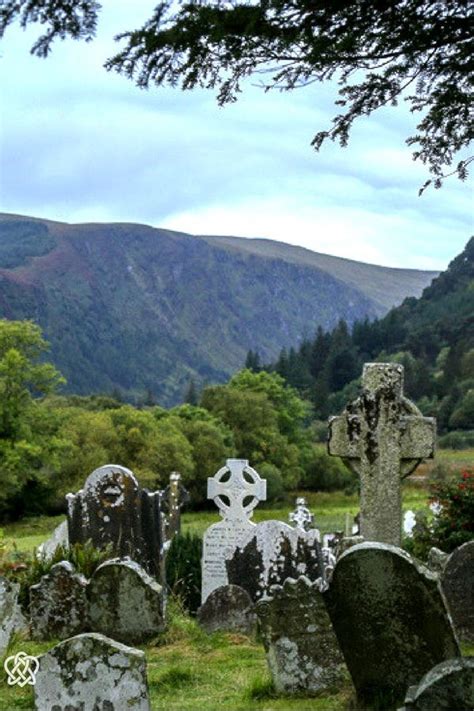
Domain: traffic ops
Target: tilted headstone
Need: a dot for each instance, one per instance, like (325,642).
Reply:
(58,603)
(390,619)
(301,517)
(272,552)
(174,498)
(125,603)
(457,583)
(91,672)
(302,651)
(11,616)
(113,510)
(59,537)
(449,686)
(236,490)
(229,609)
(382,436)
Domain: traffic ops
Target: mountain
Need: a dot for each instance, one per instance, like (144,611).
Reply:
(141,309)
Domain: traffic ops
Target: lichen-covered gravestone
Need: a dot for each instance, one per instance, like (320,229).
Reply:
(11,617)
(112,510)
(229,609)
(272,552)
(457,582)
(449,686)
(236,490)
(390,619)
(125,603)
(174,498)
(58,604)
(90,672)
(303,653)
(382,436)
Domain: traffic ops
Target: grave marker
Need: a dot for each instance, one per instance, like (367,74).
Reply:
(58,603)
(457,583)
(174,497)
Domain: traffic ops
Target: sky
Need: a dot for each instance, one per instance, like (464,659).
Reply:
(79,144)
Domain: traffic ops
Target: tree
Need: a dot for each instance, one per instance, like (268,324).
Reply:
(418,51)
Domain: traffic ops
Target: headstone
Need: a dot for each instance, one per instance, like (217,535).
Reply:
(409,523)
(449,686)
(11,616)
(236,490)
(174,498)
(390,619)
(59,537)
(58,604)
(302,651)
(273,552)
(90,672)
(112,510)
(125,603)
(301,517)
(457,583)
(229,609)
(382,436)
(437,560)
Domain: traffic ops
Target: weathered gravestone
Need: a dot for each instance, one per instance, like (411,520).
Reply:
(90,672)
(303,653)
(457,583)
(59,537)
(174,498)
(390,619)
(58,604)
(112,510)
(229,609)
(236,490)
(272,552)
(301,517)
(382,436)
(11,616)
(449,686)
(125,603)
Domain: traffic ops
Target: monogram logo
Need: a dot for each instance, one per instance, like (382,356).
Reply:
(21,669)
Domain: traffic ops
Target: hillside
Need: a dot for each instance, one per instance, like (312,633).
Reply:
(144,310)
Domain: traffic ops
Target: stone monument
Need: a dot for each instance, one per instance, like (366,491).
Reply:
(58,603)
(174,498)
(382,436)
(301,517)
(457,583)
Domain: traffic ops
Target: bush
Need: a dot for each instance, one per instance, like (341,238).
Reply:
(325,473)
(183,569)
(457,440)
(274,479)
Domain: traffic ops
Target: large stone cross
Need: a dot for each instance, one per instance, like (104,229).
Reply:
(383,437)
(240,485)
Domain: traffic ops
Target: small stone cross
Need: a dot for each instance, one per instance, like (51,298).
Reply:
(383,437)
(301,516)
(236,482)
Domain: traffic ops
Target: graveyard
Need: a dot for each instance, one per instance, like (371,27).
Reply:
(314,605)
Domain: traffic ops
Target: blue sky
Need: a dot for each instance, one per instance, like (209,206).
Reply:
(79,144)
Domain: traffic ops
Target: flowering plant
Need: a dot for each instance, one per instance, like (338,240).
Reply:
(454,523)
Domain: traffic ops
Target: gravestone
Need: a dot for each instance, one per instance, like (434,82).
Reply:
(58,604)
(301,517)
(302,651)
(125,603)
(449,686)
(457,583)
(59,537)
(381,436)
(174,498)
(112,510)
(229,609)
(390,619)
(90,672)
(272,552)
(236,490)
(11,616)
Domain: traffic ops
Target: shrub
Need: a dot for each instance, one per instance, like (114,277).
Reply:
(325,473)
(457,440)
(183,569)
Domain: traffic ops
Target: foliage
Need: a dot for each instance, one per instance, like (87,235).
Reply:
(325,473)
(183,569)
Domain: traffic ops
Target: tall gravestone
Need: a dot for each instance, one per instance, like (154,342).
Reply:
(270,553)
(236,490)
(91,672)
(457,583)
(382,436)
(390,619)
(302,650)
(113,510)
(174,498)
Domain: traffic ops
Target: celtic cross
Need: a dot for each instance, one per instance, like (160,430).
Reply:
(236,482)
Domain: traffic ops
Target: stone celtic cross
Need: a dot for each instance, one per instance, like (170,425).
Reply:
(301,517)
(382,436)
